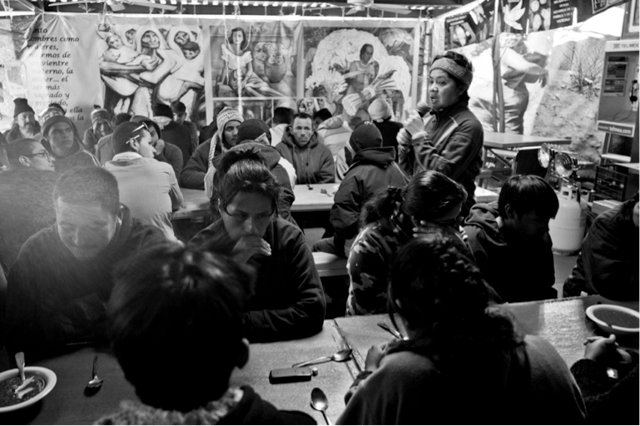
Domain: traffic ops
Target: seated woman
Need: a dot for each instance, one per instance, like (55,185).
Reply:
(463,363)
(288,302)
(450,138)
(391,220)
(158,331)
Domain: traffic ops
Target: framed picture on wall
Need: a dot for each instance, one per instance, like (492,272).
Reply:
(634,17)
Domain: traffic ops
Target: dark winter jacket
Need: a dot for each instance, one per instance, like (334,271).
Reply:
(197,165)
(178,135)
(77,156)
(172,155)
(518,270)
(451,145)
(288,300)
(26,207)
(238,406)
(55,299)
(372,171)
(608,261)
(313,162)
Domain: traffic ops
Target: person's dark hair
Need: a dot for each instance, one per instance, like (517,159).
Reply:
(282,115)
(244,37)
(17,149)
(463,62)
(175,324)
(150,124)
(302,116)
(162,110)
(84,185)
(528,193)
(428,196)
(124,134)
(245,171)
(323,114)
(191,46)
(177,106)
(441,295)
(364,48)
(120,118)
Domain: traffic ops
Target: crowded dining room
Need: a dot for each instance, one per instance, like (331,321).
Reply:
(280,212)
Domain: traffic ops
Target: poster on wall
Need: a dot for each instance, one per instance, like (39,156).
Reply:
(347,68)
(468,28)
(59,60)
(253,65)
(144,63)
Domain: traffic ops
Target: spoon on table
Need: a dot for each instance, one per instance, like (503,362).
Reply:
(320,403)
(95,382)
(339,356)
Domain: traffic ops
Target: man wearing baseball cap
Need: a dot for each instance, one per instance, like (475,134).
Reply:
(60,138)
(24,122)
(228,121)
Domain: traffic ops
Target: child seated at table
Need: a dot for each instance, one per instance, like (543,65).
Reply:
(463,362)
(176,329)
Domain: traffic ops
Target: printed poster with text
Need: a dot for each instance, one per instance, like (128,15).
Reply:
(60,64)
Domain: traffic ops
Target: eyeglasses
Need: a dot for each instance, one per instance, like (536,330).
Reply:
(43,154)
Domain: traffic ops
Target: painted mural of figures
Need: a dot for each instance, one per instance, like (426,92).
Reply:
(518,66)
(362,72)
(238,78)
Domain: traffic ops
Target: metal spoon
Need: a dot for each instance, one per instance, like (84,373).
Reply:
(339,356)
(95,382)
(319,402)
(20,363)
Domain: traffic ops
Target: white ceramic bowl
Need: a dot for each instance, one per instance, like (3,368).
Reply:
(48,375)
(613,328)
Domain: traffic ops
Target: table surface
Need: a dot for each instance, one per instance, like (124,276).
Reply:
(196,203)
(510,140)
(67,403)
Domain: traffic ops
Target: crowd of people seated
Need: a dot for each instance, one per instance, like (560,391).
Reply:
(88,253)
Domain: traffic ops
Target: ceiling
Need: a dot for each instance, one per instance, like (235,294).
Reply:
(415,8)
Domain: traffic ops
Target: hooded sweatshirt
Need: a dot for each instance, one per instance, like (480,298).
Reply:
(77,156)
(238,406)
(518,270)
(54,298)
(178,135)
(313,162)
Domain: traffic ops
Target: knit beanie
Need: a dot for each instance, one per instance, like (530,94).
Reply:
(50,111)
(252,129)
(379,110)
(99,114)
(162,110)
(227,115)
(364,136)
(21,105)
(53,120)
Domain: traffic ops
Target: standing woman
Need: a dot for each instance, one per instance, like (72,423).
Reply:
(449,139)
(288,300)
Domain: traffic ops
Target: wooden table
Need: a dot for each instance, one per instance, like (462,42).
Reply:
(314,198)
(560,321)
(67,403)
(195,204)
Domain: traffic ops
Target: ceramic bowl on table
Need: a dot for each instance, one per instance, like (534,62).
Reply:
(49,377)
(615,319)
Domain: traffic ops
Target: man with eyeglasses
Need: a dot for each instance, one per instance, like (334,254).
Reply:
(29,154)
(63,143)
(147,186)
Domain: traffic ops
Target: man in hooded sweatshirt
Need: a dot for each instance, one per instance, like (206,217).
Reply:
(172,132)
(373,170)
(62,278)
(63,143)
(311,159)
(510,239)
(228,120)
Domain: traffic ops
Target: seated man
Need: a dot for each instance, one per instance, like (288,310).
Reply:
(228,120)
(372,171)
(608,261)
(289,301)
(158,331)
(61,279)
(510,239)
(147,186)
(165,152)
(104,147)
(174,133)
(282,118)
(63,143)
(180,116)
(26,154)
(311,159)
